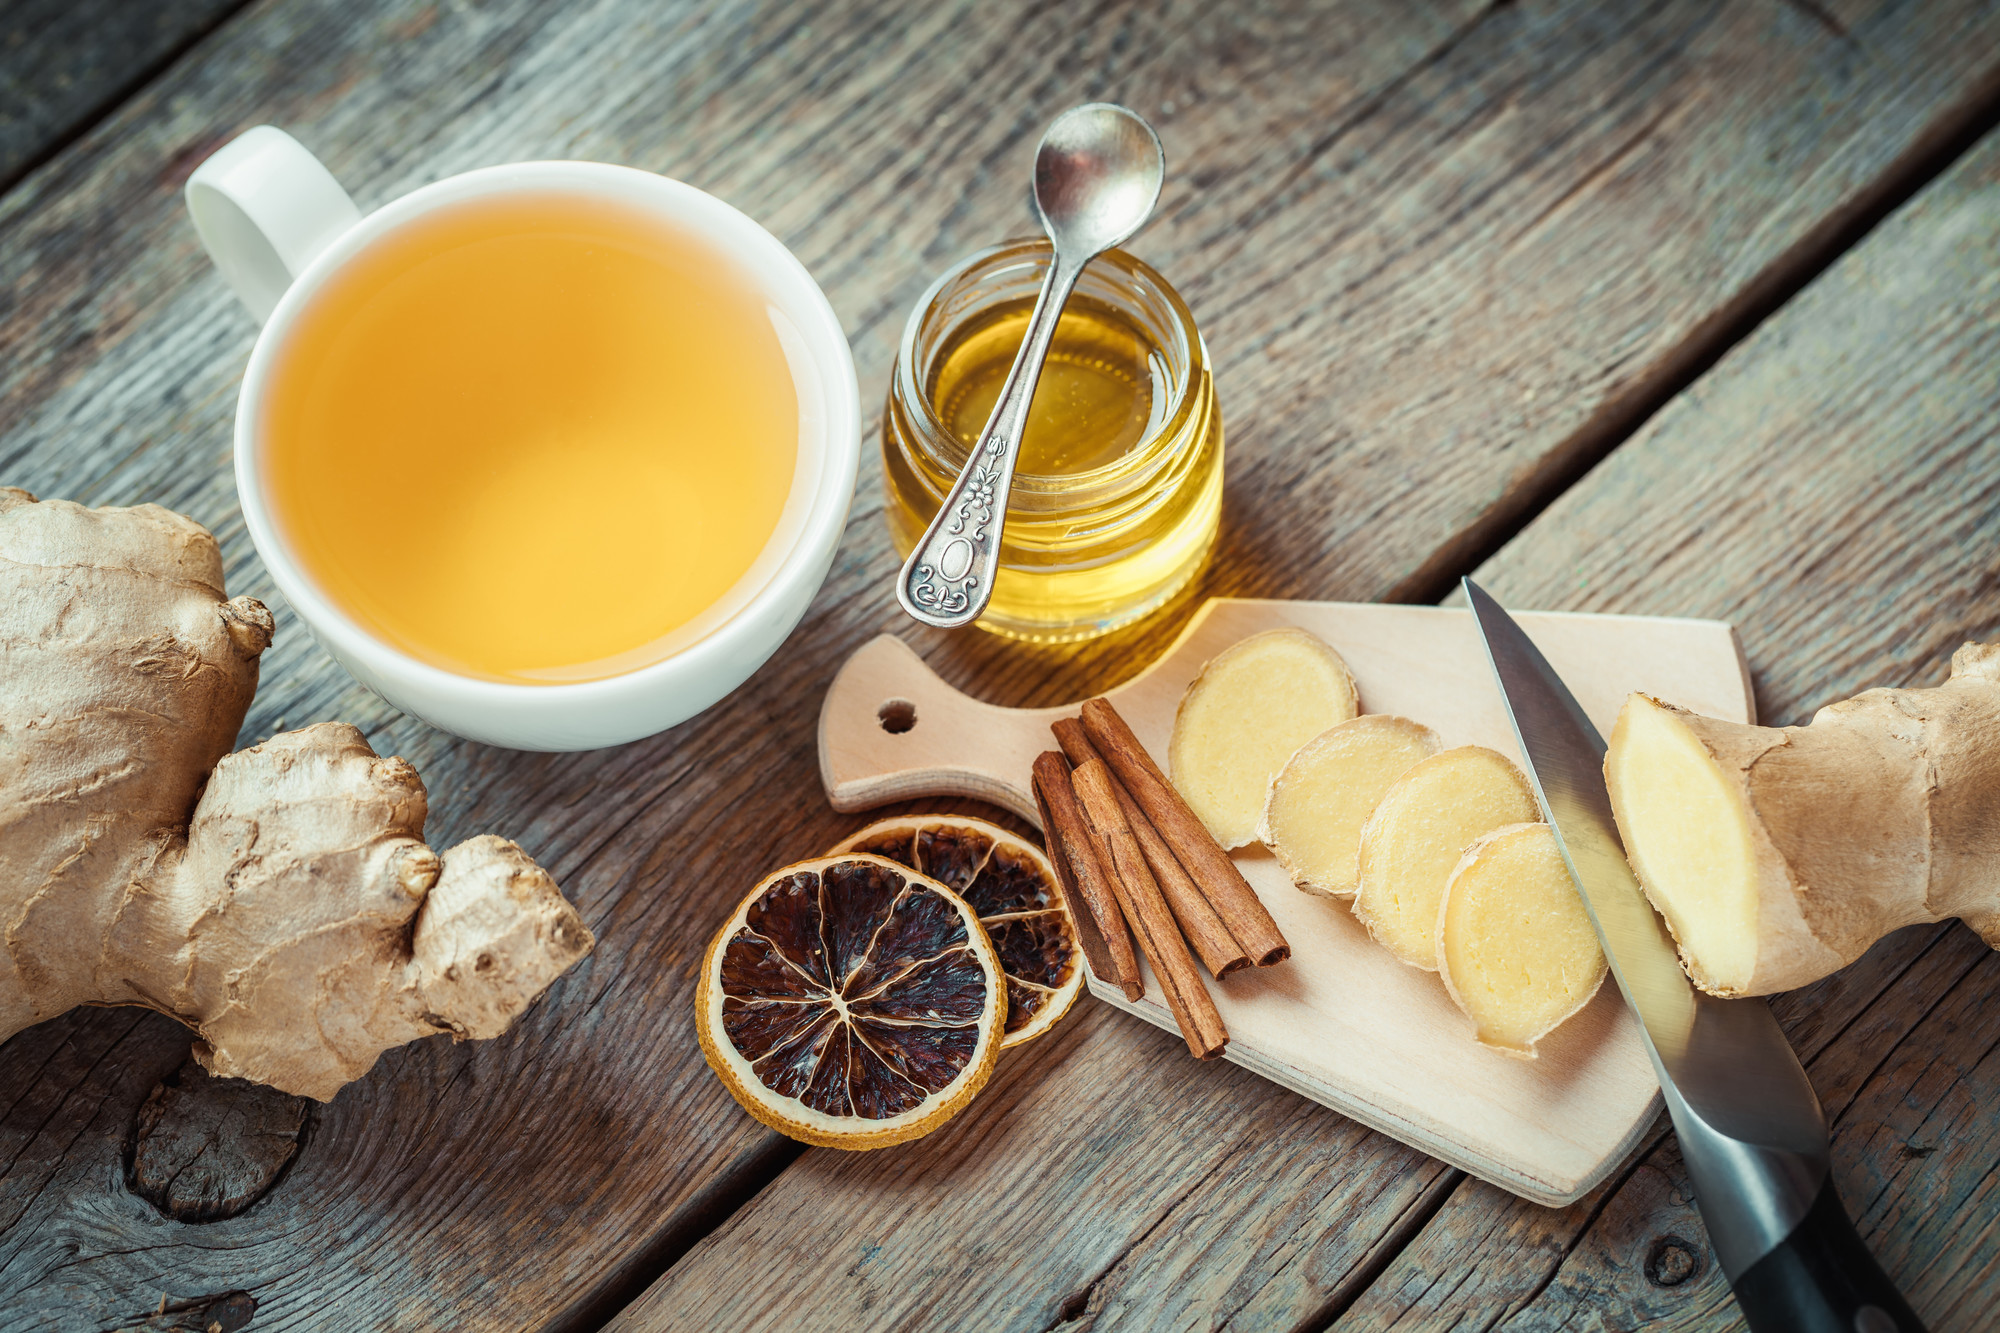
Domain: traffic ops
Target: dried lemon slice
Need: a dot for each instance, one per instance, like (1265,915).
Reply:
(850,1002)
(1015,892)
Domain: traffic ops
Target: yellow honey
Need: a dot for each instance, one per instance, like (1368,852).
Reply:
(1118,490)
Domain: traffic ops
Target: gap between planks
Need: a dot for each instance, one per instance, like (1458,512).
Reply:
(117,93)
(1948,139)
(730,1191)
(1954,134)
(1951,138)
(1394,1242)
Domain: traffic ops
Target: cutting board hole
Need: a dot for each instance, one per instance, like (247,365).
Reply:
(897,715)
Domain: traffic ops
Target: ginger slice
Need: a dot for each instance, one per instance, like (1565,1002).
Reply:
(1687,832)
(1780,854)
(1326,791)
(1514,943)
(1253,705)
(1414,840)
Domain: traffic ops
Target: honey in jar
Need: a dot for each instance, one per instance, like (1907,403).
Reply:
(1118,488)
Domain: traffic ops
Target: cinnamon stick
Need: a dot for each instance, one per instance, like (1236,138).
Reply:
(1186,996)
(1217,948)
(1221,882)
(1100,922)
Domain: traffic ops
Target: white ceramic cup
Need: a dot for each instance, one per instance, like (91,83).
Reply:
(279,227)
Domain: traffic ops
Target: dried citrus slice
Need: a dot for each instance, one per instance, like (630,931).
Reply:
(851,1002)
(1015,892)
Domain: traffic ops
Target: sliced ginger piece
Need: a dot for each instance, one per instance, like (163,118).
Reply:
(1326,791)
(1687,831)
(1514,943)
(1414,840)
(1252,705)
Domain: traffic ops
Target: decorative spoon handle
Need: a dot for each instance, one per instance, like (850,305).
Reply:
(948,578)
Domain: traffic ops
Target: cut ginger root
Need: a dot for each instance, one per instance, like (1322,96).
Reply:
(1244,715)
(1514,944)
(1324,794)
(1413,842)
(1779,854)
(279,901)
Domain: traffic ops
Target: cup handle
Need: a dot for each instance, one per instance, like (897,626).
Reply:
(265,207)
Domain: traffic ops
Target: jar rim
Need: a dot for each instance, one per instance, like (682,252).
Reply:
(951,452)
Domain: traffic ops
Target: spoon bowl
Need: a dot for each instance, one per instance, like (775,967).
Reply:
(1097,176)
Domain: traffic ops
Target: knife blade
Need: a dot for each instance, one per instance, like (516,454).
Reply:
(1751,1129)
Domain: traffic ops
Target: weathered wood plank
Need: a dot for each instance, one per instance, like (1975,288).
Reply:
(1900,1089)
(521,1182)
(1631,211)
(64,62)
(1833,487)
(1347,182)
(1487,1257)
(1001,1222)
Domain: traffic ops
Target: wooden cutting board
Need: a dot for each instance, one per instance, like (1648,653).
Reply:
(1342,1022)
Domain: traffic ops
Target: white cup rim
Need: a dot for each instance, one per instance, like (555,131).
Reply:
(783,276)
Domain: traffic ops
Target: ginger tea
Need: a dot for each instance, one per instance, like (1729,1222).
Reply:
(536,439)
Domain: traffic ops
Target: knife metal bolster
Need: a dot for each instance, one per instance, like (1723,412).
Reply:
(1751,1195)
(1751,1129)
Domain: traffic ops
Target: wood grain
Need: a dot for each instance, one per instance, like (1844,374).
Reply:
(1467,285)
(65,62)
(205,1148)
(1835,489)
(529,1181)
(1396,223)
(1634,1253)
(1091,1207)
(1632,186)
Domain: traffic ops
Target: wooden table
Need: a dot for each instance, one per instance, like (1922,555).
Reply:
(1687,308)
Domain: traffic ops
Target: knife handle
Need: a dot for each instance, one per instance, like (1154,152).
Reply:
(1822,1279)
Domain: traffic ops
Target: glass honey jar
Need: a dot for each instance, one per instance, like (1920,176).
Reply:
(1118,490)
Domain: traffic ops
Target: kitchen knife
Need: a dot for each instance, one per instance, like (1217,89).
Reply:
(1751,1130)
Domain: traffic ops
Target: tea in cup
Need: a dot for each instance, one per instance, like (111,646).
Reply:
(551,455)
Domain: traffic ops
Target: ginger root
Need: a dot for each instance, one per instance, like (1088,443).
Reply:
(1514,944)
(1326,791)
(1780,854)
(1242,717)
(1414,840)
(279,901)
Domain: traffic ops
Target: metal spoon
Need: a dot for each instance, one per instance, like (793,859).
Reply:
(1097,176)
